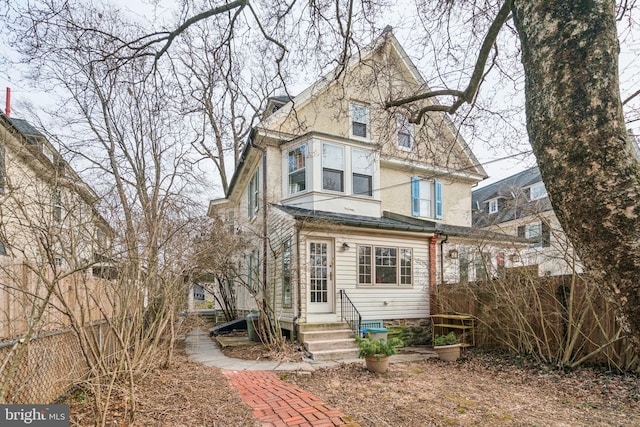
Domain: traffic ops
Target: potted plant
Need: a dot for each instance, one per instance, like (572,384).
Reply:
(376,352)
(447,347)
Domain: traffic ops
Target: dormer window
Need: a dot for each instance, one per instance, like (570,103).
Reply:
(360,120)
(537,191)
(493,206)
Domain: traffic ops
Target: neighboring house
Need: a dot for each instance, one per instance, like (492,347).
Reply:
(47,213)
(519,206)
(344,198)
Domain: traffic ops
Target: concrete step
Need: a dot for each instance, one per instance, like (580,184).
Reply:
(335,354)
(327,326)
(326,335)
(332,344)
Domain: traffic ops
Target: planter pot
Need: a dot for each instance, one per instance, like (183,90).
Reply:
(374,365)
(450,353)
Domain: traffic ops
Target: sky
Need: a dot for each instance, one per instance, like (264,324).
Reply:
(490,145)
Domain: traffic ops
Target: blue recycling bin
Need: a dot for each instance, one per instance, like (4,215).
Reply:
(376,333)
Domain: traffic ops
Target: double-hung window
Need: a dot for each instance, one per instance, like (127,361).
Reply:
(385,266)
(537,232)
(332,167)
(253,270)
(362,172)
(426,198)
(360,120)
(253,195)
(537,191)
(405,132)
(58,206)
(286,273)
(297,170)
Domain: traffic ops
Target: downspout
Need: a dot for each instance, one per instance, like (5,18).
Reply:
(264,228)
(298,307)
(446,239)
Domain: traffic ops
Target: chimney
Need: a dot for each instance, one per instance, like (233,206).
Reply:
(7,109)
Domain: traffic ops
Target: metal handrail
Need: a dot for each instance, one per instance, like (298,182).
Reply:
(350,314)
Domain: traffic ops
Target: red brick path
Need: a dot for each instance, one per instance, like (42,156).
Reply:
(277,403)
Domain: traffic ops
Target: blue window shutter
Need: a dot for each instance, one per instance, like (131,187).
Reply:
(438,186)
(415,196)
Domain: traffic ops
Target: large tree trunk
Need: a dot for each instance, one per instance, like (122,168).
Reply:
(577,131)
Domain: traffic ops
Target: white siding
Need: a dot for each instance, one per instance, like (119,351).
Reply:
(376,301)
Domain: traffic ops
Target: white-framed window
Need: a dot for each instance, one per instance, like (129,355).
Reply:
(58,206)
(493,206)
(405,132)
(360,120)
(379,265)
(362,172)
(286,274)
(297,169)
(253,270)
(538,232)
(332,167)
(253,195)
(537,191)
(426,198)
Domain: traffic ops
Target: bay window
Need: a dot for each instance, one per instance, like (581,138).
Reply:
(332,167)
(297,170)
(362,172)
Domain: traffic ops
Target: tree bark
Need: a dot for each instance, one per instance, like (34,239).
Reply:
(577,131)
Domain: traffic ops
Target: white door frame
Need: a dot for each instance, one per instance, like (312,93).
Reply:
(321,282)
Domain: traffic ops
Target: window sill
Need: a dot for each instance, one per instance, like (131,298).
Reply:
(377,286)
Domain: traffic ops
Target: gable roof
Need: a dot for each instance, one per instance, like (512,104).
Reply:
(324,82)
(509,189)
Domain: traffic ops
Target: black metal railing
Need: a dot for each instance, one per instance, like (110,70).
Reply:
(350,314)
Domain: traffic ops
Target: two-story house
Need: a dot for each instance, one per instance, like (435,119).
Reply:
(352,207)
(519,206)
(47,212)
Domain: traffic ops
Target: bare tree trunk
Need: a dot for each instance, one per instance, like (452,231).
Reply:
(577,131)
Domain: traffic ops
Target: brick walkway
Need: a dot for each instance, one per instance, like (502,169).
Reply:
(277,403)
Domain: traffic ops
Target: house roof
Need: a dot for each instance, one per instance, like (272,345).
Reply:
(509,189)
(397,222)
(504,187)
(384,222)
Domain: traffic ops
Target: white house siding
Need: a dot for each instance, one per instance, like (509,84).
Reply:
(281,227)
(377,302)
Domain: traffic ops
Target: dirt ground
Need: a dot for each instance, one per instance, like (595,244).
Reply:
(481,389)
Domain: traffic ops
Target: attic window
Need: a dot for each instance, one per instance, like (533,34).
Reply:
(493,206)
(537,191)
(405,132)
(359,120)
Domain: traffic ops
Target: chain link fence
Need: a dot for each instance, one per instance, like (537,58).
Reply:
(49,366)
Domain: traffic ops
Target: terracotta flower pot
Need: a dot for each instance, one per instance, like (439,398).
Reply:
(450,353)
(379,366)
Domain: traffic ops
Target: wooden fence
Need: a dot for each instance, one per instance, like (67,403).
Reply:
(565,320)
(25,291)
(41,307)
